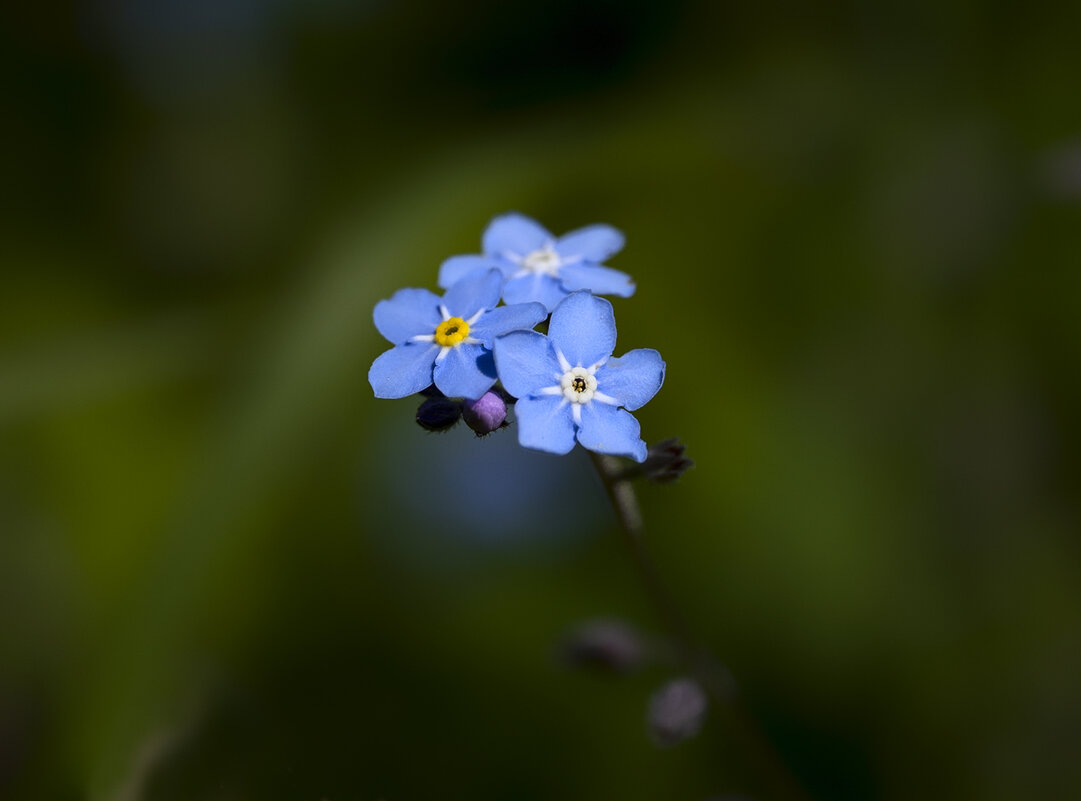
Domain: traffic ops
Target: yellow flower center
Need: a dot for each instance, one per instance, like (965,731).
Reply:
(451,332)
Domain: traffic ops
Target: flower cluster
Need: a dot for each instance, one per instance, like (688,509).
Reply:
(566,385)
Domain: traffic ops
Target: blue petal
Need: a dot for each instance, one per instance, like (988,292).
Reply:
(515,234)
(543,289)
(507,318)
(599,280)
(467,371)
(508,267)
(456,268)
(633,378)
(583,328)
(408,313)
(606,429)
(403,370)
(545,424)
(592,243)
(526,363)
(473,293)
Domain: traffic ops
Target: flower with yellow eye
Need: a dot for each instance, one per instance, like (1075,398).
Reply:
(570,388)
(446,341)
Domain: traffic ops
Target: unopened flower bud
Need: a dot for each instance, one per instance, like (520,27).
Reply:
(605,645)
(666,462)
(438,413)
(485,414)
(676,712)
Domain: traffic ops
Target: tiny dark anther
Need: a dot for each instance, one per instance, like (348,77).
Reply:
(579,384)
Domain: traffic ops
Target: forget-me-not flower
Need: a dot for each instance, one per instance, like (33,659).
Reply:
(541,267)
(445,340)
(570,388)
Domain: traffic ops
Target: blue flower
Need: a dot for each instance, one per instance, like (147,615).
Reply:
(568,386)
(541,267)
(447,340)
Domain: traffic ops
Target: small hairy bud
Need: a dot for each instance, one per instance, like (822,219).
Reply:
(607,645)
(676,712)
(438,413)
(485,414)
(665,461)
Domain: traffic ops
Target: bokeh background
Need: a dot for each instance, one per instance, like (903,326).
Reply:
(227,572)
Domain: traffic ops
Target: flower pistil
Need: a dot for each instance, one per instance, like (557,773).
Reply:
(578,386)
(544,261)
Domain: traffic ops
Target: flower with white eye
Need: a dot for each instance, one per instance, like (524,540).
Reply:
(570,388)
(446,341)
(538,266)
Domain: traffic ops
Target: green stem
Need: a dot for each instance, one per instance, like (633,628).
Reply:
(710,672)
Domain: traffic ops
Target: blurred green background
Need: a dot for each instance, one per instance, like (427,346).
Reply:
(227,572)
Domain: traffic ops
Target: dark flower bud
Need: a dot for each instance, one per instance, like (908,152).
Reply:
(608,645)
(438,413)
(665,461)
(676,712)
(485,414)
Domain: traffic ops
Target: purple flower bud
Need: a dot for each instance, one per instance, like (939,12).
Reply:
(485,414)
(676,711)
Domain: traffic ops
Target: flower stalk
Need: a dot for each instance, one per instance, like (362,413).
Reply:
(712,674)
